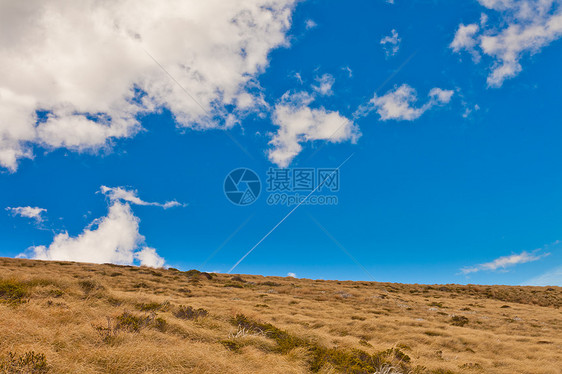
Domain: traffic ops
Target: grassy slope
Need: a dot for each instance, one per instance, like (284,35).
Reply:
(87,318)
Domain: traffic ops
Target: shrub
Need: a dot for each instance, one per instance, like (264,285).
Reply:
(231,345)
(13,292)
(153,306)
(459,321)
(197,274)
(436,304)
(358,318)
(28,363)
(88,286)
(234,285)
(269,284)
(187,312)
(130,322)
(348,361)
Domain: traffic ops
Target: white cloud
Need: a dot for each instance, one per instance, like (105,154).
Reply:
(86,69)
(505,262)
(550,278)
(464,39)
(292,275)
(310,24)
(324,85)
(525,27)
(120,193)
(114,238)
(148,257)
(440,96)
(28,212)
(399,103)
(298,123)
(468,110)
(391,43)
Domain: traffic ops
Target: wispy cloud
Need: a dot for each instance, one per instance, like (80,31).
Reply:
(122,194)
(505,262)
(310,24)
(34,213)
(552,277)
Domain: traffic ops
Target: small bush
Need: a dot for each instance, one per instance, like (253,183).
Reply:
(459,321)
(28,363)
(436,304)
(358,318)
(130,322)
(198,274)
(187,312)
(231,345)
(13,292)
(237,278)
(269,284)
(140,285)
(233,285)
(88,286)
(432,333)
(153,306)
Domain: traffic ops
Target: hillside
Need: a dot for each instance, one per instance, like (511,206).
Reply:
(62,317)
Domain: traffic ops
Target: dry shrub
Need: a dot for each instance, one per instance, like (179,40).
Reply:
(13,292)
(188,312)
(28,363)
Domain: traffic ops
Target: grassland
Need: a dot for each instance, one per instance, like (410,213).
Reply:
(63,317)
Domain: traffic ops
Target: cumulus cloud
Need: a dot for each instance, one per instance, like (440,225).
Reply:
(292,275)
(298,123)
(525,27)
(505,262)
(400,103)
(148,257)
(114,238)
(78,79)
(34,213)
(391,43)
(131,196)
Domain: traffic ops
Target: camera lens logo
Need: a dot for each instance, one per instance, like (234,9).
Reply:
(242,186)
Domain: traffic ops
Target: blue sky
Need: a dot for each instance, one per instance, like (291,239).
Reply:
(115,141)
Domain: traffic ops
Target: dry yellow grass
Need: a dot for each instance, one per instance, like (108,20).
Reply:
(87,318)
